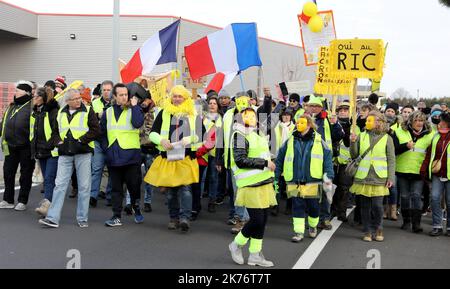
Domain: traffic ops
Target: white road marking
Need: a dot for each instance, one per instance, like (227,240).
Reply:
(312,253)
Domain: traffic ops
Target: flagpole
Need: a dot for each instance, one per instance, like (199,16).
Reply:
(242,81)
(178,51)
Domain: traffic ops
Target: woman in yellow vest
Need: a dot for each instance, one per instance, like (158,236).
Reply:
(306,162)
(376,173)
(176,169)
(253,170)
(44,137)
(411,143)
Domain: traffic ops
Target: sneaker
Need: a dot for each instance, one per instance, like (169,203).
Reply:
(48,223)
(326,225)
(184,225)
(219,201)
(173,224)
(194,216)
(93,202)
(113,222)
(20,207)
(44,205)
(102,195)
(148,208)
(236,253)
(83,224)
(257,259)
(128,210)
(238,227)
(367,237)
(379,237)
(138,218)
(233,221)
(297,238)
(436,232)
(312,232)
(343,218)
(6,205)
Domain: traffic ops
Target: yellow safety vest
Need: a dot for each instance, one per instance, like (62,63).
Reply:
(410,162)
(299,114)
(228,119)
(316,167)
(165,129)
(47,131)
(258,148)
(97,105)
(78,126)
(344,152)
(376,158)
(122,130)
(434,143)
(278,136)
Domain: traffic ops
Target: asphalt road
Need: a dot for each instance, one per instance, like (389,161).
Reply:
(25,244)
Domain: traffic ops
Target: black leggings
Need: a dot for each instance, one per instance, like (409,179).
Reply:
(255,227)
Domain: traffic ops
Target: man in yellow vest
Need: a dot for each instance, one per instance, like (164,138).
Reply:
(99,105)
(331,132)
(78,128)
(120,126)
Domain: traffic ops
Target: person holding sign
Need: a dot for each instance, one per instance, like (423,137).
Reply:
(375,174)
(306,163)
(253,170)
(176,131)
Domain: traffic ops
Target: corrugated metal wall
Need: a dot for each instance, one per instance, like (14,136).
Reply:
(18,21)
(88,57)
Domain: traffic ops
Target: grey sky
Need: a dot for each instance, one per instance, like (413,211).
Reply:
(419,39)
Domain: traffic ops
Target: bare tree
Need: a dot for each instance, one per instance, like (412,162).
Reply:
(445,2)
(401,93)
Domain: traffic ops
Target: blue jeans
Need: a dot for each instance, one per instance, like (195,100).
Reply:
(235,211)
(147,160)
(98,164)
(325,207)
(213,177)
(65,169)
(411,193)
(49,168)
(299,206)
(179,201)
(437,189)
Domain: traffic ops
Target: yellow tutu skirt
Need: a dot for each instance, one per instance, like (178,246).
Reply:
(369,190)
(167,174)
(262,197)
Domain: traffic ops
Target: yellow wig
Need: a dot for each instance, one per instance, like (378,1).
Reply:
(187,108)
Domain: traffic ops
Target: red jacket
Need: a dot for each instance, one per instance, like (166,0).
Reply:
(208,145)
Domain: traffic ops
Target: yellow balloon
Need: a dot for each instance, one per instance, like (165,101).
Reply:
(316,24)
(310,9)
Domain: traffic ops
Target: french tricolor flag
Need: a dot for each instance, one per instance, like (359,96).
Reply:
(233,49)
(161,48)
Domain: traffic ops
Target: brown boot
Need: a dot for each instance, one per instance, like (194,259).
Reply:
(386,211)
(238,227)
(393,212)
(379,237)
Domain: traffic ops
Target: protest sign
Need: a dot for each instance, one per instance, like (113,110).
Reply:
(312,42)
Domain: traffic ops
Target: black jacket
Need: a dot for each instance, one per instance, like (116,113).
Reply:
(240,154)
(40,147)
(17,126)
(70,146)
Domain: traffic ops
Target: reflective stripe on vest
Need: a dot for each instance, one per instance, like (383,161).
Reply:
(436,139)
(376,158)
(78,126)
(47,131)
(122,130)
(316,166)
(227,128)
(258,148)
(344,154)
(97,105)
(410,161)
(165,129)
